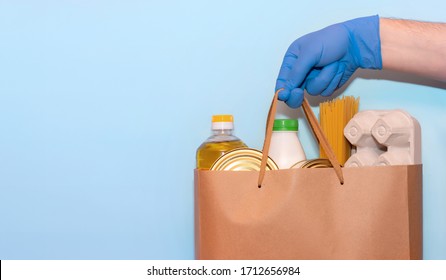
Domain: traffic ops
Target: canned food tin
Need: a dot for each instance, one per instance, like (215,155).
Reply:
(243,159)
(313,163)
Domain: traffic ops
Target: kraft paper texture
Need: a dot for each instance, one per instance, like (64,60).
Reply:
(308,214)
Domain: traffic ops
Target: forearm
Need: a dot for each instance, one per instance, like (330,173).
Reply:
(414,47)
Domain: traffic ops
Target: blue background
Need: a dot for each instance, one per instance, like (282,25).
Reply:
(103,103)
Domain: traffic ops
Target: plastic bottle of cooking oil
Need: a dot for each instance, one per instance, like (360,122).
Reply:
(221,141)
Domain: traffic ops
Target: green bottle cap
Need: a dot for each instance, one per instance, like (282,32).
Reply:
(286,125)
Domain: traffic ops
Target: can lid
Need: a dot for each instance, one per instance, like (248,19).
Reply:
(242,159)
(313,163)
(286,125)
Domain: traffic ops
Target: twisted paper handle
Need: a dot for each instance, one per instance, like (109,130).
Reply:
(315,127)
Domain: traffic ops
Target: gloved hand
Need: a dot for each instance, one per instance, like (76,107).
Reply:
(322,61)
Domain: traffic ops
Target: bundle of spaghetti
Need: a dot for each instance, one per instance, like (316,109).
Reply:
(333,117)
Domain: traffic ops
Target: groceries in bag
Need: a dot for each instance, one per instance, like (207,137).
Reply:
(333,116)
(384,138)
(285,148)
(379,137)
(243,159)
(220,142)
(358,132)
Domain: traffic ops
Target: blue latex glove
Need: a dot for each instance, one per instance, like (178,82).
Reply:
(322,61)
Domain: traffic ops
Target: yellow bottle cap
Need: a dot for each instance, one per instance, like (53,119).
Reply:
(222,118)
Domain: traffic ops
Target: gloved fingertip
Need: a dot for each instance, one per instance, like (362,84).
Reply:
(310,89)
(284,95)
(296,98)
(294,103)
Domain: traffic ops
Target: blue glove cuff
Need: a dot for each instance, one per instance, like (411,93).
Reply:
(366,41)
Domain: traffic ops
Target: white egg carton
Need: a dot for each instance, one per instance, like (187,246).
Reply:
(383,137)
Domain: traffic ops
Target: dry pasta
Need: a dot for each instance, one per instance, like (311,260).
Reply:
(333,117)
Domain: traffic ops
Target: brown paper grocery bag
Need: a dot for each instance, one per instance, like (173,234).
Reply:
(308,214)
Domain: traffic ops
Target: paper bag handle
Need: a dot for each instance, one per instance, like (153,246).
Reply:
(315,127)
